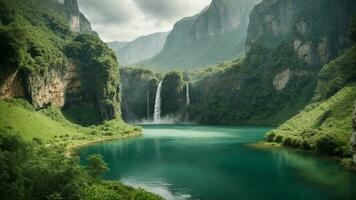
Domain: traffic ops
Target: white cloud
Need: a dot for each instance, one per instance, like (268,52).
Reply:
(125,20)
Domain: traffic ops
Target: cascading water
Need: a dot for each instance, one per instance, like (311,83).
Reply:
(187,101)
(157,113)
(187,97)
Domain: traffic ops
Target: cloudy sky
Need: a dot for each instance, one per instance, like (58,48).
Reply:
(124,20)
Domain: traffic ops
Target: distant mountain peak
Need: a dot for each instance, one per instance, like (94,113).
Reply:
(141,48)
(216,34)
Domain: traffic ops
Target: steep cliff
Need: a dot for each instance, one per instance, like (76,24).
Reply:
(288,43)
(217,33)
(45,62)
(324,125)
(139,87)
(77,21)
(317,30)
(138,94)
(142,48)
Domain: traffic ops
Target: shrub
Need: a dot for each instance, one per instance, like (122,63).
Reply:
(326,145)
(96,166)
(296,142)
(287,141)
(305,145)
(278,139)
(270,136)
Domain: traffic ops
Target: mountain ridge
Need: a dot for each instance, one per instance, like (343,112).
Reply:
(141,48)
(216,34)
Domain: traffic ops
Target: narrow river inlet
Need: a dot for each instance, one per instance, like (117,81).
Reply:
(207,162)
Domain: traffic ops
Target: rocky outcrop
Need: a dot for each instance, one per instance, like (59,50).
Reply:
(51,88)
(138,94)
(47,89)
(58,68)
(78,23)
(12,87)
(317,30)
(216,34)
(353,137)
(281,79)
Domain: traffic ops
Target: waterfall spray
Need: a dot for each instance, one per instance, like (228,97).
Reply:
(157,113)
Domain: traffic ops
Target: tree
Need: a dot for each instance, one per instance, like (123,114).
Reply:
(96,166)
(353,29)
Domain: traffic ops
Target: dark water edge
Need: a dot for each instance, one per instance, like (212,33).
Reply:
(210,162)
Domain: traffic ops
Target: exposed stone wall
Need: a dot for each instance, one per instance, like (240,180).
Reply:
(51,88)
(12,87)
(45,89)
(301,23)
(281,80)
(77,21)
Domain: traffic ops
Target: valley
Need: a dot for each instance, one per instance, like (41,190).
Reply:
(189,113)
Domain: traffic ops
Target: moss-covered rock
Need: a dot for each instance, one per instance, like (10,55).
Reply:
(173,96)
(138,93)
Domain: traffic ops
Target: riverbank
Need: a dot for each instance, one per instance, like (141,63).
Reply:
(346,163)
(70,148)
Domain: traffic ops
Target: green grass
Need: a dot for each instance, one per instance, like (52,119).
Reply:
(329,118)
(50,126)
(32,124)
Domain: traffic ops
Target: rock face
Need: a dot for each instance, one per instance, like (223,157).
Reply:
(353,137)
(48,89)
(12,87)
(71,71)
(281,80)
(51,88)
(318,30)
(138,94)
(140,49)
(216,34)
(287,45)
(77,21)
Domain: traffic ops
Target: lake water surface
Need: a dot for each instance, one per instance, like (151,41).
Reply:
(207,162)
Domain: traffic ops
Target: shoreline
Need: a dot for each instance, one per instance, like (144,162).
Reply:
(266,146)
(70,148)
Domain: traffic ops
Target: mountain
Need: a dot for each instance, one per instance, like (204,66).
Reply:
(59,88)
(216,34)
(142,48)
(53,58)
(115,45)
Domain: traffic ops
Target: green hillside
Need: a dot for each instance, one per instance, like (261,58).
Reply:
(324,125)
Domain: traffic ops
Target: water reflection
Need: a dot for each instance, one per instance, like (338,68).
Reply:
(316,174)
(197,162)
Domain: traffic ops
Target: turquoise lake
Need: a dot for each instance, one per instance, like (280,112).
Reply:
(215,163)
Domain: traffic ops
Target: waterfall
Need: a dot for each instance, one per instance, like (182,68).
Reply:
(157,113)
(187,97)
(187,101)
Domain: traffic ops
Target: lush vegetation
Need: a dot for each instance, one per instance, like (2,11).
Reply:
(324,126)
(138,87)
(37,43)
(51,127)
(99,77)
(29,170)
(173,93)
